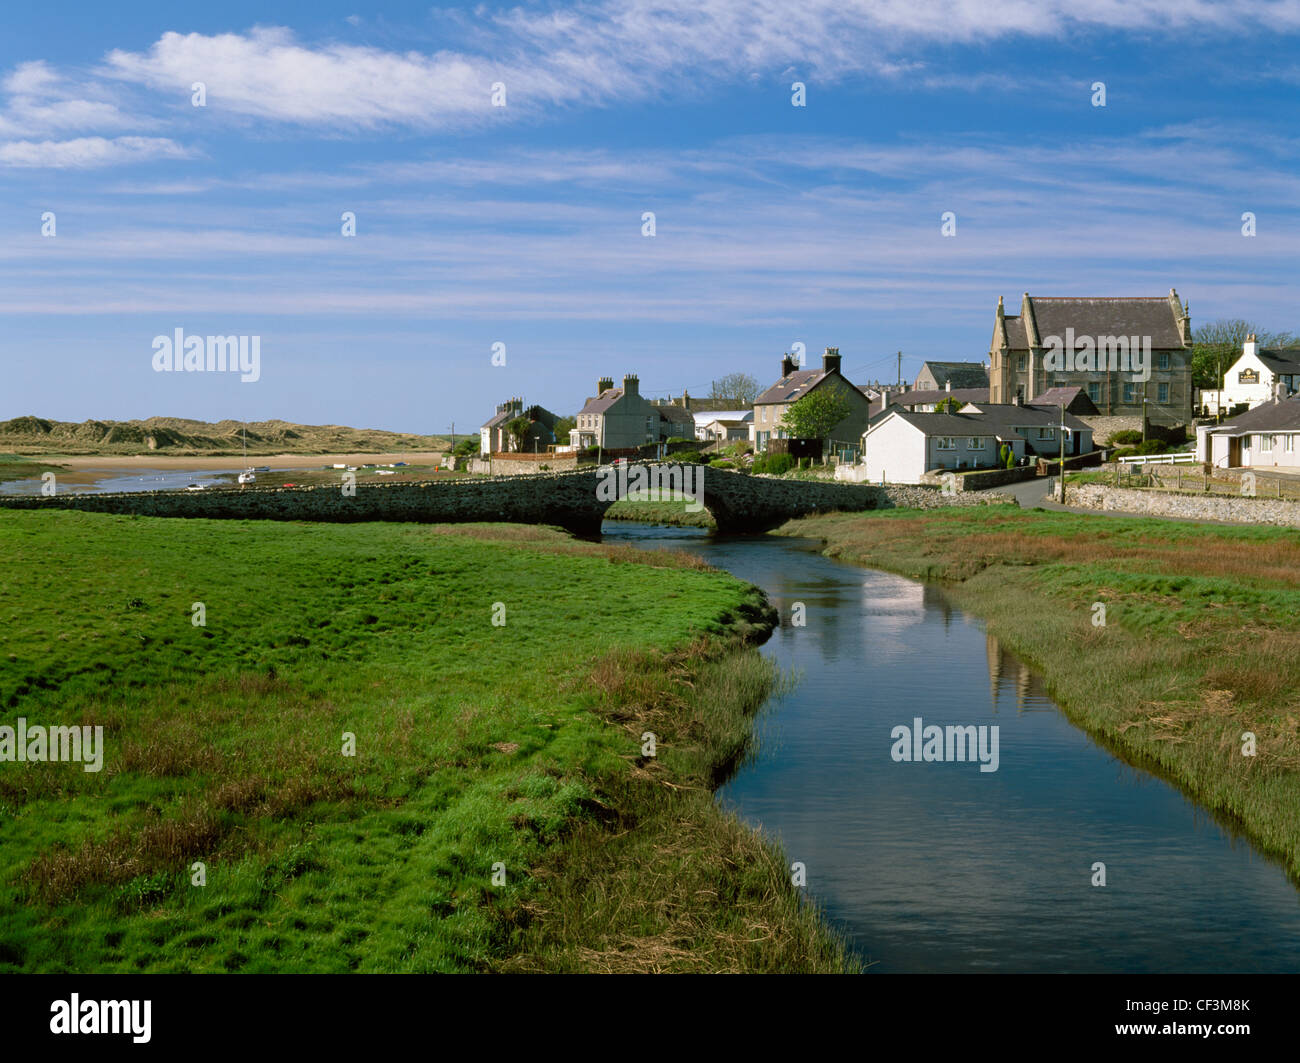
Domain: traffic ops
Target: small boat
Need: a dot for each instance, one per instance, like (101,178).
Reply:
(248,476)
(194,487)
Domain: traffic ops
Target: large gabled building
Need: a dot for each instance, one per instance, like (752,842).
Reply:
(1095,345)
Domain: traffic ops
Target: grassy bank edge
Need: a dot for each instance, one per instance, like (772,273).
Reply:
(1260,806)
(661,878)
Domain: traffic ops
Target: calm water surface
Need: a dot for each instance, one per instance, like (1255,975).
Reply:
(939,867)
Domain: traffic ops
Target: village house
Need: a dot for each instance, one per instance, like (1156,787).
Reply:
(618,418)
(1267,437)
(900,445)
(771,405)
(924,401)
(941,376)
(1108,329)
(495,437)
(1254,378)
(725,427)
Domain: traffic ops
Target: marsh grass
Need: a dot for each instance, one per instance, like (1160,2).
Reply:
(476,746)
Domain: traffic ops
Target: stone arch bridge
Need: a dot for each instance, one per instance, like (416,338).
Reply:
(574,500)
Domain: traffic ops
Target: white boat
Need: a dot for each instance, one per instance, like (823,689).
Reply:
(249,475)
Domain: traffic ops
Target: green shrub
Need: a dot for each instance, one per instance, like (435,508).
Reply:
(688,457)
(1127,437)
(773,464)
(719,464)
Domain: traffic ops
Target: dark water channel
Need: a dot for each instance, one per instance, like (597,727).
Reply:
(939,866)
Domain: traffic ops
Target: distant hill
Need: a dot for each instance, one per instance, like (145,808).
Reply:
(181,437)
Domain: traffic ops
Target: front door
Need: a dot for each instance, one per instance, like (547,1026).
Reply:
(1234,452)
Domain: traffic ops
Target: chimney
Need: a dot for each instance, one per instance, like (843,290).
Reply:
(787,365)
(603,385)
(686,400)
(947,385)
(630,385)
(1251,346)
(831,360)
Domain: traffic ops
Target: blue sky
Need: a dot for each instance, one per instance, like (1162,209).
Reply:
(521,224)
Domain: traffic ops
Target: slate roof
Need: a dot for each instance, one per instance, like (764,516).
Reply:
(1140,316)
(1002,420)
(1030,414)
(1066,396)
(921,398)
(601,403)
(1284,360)
(959,374)
(677,415)
(792,387)
(1267,417)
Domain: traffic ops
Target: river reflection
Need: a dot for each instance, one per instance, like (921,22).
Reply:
(942,867)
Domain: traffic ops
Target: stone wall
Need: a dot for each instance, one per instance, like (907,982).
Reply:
(738,502)
(524,464)
(1194,506)
(1104,427)
(978,481)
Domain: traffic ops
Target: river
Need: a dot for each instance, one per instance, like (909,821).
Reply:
(935,866)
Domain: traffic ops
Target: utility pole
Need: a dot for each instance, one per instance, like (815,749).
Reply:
(1062,469)
(900,369)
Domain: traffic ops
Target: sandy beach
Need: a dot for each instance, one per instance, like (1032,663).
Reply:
(235,460)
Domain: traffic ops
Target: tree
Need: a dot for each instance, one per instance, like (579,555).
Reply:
(739,386)
(1216,345)
(518,430)
(562,427)
(813,416)
(948,405)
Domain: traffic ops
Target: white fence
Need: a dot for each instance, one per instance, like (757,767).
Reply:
(1176,458)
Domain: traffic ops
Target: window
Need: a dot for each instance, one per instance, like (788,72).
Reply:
(1094,391)
(1290,444)
(946,443)
(1130,394)
(1020,364)
(1162,395)
(1047,433)
(975,443)
(1162,360)
(1264,443)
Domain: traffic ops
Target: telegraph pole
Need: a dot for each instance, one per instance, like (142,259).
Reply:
(1062,469)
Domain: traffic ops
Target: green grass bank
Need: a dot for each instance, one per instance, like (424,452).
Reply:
(497,813)
(1199,644)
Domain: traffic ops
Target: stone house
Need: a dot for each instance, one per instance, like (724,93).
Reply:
(771,405)
(617,418)
(1098,345)
(495,439)
(939,376)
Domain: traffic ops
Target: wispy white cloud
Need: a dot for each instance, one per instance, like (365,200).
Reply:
(608,51)
(87,152)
